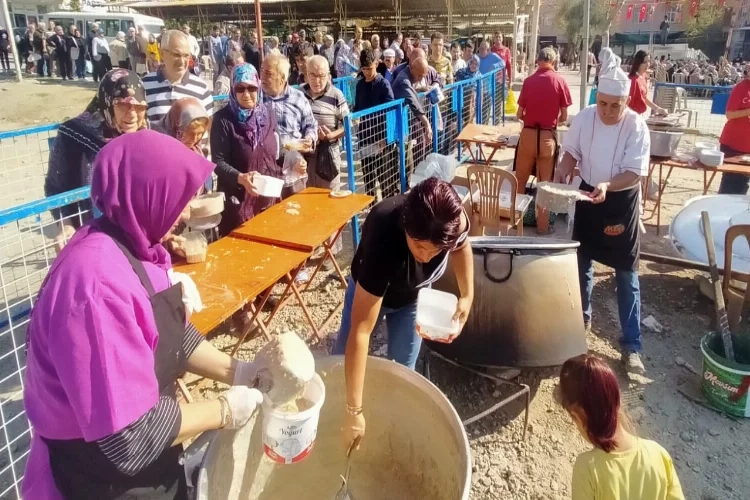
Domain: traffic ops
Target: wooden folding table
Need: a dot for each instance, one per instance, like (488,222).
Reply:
(303,222)
(482,136)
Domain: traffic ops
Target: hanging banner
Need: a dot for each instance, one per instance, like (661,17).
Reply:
(643,13)
(694,7)
(629,13)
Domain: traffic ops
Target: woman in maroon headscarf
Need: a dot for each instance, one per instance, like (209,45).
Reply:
(108,338)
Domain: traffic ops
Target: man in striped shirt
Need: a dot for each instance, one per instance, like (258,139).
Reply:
(172,81)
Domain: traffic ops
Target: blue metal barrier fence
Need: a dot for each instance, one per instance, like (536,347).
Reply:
(382,146)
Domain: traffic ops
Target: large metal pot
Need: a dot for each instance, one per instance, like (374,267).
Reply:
(664,143)
(527,304)
(415,447)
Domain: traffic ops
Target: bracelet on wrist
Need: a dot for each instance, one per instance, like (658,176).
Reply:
(226,412)
(353,410)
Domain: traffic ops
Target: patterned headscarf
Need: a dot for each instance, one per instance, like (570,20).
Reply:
(181,115)
(117,86)
(252,120)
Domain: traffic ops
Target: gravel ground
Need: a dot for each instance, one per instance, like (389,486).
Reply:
(709,449)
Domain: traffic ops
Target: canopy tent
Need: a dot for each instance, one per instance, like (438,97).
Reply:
(395,15)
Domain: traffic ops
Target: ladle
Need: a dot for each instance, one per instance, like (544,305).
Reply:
(343,493)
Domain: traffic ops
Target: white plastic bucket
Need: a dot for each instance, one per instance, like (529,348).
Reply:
(435,310)
(289,438)
(268,186)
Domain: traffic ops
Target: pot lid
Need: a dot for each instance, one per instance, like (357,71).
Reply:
(520,243)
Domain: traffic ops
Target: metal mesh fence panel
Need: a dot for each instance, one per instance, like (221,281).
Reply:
(30,236)
(348,86)
(24,155)
(417,144)
(499,97)
(448,122)
(703,108)
(486,101)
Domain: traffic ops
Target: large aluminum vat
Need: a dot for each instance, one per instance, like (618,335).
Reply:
(527,304)
(415,447)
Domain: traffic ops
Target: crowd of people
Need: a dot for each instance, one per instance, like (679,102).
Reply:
(112,377)
(694,72)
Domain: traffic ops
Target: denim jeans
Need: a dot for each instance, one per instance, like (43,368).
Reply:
(81,67)
(403,341)
(732,183)
(628,301)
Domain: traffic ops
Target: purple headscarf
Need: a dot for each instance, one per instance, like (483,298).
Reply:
(92,333)
(252,121)
(141,184)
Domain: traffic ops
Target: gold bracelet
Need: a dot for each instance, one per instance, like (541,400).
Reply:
(353,410)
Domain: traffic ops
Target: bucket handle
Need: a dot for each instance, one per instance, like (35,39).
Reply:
(487,272)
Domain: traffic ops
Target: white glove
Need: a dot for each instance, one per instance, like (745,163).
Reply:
(242,404)
(245,373)
(190,295)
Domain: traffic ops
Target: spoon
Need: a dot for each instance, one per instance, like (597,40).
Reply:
(343,493)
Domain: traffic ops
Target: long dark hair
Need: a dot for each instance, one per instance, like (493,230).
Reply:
(589,385)
(638,59)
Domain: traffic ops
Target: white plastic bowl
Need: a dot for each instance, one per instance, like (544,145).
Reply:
(268,186)
(712,158)
(435,310)
(701,147)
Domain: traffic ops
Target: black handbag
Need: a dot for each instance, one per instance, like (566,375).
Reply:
(325,165)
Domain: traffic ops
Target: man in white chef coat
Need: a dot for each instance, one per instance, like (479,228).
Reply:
(609,145)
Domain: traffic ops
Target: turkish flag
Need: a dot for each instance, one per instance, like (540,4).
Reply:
(643,12)
(629,13)
(694,7)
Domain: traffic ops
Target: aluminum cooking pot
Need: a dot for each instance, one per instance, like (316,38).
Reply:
(416,446)
(527,304)
(664,143)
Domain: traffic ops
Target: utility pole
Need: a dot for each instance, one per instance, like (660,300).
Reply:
(12,38)
(258,31)
(585,52)
(532,48)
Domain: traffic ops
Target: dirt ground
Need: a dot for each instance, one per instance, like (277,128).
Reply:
(709,449)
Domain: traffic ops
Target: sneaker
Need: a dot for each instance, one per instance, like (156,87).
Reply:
(633,363)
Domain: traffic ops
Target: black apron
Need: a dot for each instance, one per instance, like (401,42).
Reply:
(539,129)
(80,469)
(609,231)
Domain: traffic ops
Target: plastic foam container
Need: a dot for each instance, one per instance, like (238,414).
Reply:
(268,186)
(435,310)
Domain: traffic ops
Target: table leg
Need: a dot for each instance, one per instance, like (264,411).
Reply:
(707,186)
(305,311)
(492,155)
(329,255)
(662,187)
(253,320)
(471,152)
(184,390)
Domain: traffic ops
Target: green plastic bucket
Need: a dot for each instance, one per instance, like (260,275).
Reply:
(724,383)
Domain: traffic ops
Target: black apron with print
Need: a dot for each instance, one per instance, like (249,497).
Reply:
(81,470)
(609,231)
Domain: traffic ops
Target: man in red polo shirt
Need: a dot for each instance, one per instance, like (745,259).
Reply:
(544,102)
(734,137)
(504,53)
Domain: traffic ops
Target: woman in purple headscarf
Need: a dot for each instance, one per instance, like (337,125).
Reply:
(244,144)
(108,339)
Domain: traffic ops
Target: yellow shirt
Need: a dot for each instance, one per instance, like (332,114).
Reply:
(444,68)
(644,472)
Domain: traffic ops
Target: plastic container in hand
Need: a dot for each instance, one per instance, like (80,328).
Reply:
(268,186)
(435,310)
(196,247)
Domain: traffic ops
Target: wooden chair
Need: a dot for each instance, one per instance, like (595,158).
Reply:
(735,290)
(487,212)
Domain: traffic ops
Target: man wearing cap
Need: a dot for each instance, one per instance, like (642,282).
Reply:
(608,144)
(387,67)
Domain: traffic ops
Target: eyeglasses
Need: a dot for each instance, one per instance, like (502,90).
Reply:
(177,55)
(244,89)
(138,107)
(313,76)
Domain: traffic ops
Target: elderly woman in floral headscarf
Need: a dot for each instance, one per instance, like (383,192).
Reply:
(244,144)
(119,107)
(187,121)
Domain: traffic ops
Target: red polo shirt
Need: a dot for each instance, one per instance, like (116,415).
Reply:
(638,94)
(505,55)
(736,132)
(543,95)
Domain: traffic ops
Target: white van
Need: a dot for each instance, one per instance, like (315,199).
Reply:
(110,22)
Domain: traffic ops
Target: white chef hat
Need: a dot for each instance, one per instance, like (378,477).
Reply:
(612,79)
(389,53)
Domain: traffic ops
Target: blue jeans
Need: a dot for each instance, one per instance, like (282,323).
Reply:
(403,341)
(628,301)
(81,67)
(733,183)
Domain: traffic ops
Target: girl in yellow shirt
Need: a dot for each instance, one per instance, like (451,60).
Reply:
(621,466)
